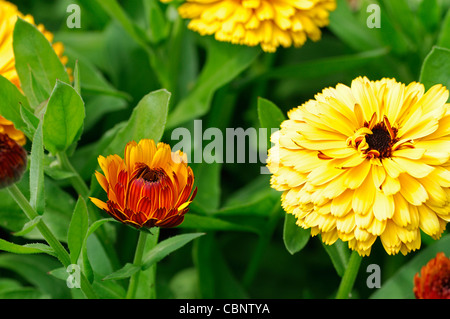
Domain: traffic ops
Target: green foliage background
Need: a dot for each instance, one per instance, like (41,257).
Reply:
(249,249)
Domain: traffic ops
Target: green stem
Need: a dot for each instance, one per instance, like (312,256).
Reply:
(76,180)
(349,277)
(132,288)
(60,252)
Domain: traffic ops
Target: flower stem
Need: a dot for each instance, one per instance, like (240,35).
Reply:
(60,252)
(76,180)
(349,277)
(132,288)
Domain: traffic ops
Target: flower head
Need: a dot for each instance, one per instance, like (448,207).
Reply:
(434,280)
(13,160)
(267,23)
(151,186)
(367,161)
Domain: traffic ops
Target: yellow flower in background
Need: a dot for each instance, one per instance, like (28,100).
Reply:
(268,23)
(8,17)
(367,161)
(151,186)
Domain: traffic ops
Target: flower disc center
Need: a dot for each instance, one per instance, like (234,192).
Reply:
(380,140)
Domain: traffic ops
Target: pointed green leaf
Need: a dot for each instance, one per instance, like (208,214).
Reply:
(63,118)
(295,238)
(37,191)
(78,230)
(166,247)
(436,68)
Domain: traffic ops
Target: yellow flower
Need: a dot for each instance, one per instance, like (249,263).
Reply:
(151,187)
(367,161)
(268,23)
(8,18)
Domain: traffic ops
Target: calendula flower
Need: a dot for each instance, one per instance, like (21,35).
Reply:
(151,186)
(8,17)
(367,161)
(434,280)
(259,22)
(13,160)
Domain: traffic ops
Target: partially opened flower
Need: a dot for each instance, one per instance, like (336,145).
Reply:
(367,161)
(151,186)
(267,23)
(13,160)
(434,279)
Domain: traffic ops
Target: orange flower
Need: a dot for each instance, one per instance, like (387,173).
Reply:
(151,187)
(434,282)
(13,160)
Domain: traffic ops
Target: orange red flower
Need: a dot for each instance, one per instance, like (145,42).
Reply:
(150,187)
(434,280)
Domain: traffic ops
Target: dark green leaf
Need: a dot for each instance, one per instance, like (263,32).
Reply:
(339,254)
(224,63)
(295,238)
(125,272)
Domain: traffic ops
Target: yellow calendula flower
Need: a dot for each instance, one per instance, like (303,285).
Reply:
(367,161)
(8,17)
(268,23)
(150,187)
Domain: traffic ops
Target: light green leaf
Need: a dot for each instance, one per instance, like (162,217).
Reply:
(37,187)
(147,121)
(295,238)
(125,272)
(436,68)
(29,226)
(35,55)
(63,118)
(36,248)
(444,35)
(78,230)
(166,247)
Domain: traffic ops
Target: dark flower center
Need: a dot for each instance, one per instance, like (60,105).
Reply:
(383,137)
(380,140)
(148,174)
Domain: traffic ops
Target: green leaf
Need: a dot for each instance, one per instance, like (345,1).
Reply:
(270,116)
(295,238)
(224,63)
(444,35)
(12,102)
(78,230)
(29,226)
(125,272)
(63,118)
(25,249)
(339,254)
(147,121)
(166,247)
(400,285)
(37,187)
(429,13)
(346,26)
(35,56)
(436,68)
(206,223)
